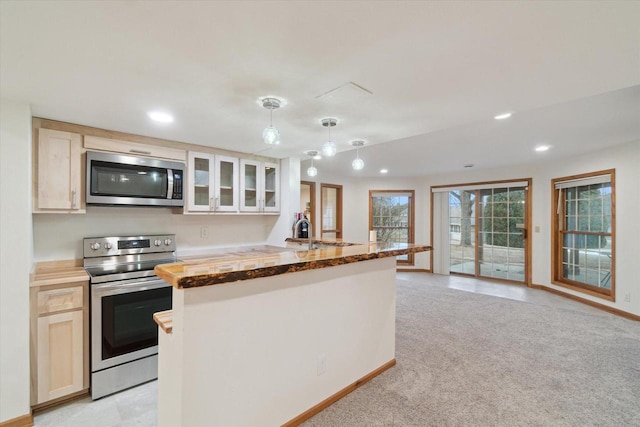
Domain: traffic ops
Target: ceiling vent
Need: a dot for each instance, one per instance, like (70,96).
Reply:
(348,92)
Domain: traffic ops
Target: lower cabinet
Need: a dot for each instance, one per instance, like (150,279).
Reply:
(59,339)
(60,364)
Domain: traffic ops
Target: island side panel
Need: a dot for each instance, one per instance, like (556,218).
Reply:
(254,351)
(170,367)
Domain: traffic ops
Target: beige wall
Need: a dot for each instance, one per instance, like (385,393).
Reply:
(15,257)
(624,158)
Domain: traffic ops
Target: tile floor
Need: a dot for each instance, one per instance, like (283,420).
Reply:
(138,406)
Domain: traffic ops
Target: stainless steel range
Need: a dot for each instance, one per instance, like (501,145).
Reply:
(125,293)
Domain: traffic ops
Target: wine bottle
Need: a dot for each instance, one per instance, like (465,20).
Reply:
(304,229)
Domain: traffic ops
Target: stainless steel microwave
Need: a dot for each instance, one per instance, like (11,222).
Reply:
(117,179)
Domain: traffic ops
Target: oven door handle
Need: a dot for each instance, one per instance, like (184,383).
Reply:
(129,287)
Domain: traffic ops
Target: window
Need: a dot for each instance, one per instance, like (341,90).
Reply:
(391,214)
(584,233)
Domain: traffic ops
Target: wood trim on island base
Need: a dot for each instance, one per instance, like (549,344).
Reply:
(21,421)
(594,304)
(338,395)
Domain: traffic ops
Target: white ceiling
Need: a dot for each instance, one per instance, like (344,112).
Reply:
(438,73)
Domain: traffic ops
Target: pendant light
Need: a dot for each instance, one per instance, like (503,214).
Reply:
(329,148)
(270,135)
(358,163)
(312,171)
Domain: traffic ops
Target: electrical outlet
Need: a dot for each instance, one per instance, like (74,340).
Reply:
(322,364)
(627,297)
(204,232)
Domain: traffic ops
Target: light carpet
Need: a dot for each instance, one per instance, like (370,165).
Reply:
(465,359)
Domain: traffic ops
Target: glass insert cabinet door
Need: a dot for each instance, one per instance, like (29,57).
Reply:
(249,191)
(271,187)
(200,192)
(259,186)
(226,184)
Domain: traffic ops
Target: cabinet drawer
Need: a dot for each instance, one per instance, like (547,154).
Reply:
(54,300)
(134,148)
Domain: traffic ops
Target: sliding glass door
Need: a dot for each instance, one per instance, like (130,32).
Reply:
(488,230)
(462,234)
(501,233)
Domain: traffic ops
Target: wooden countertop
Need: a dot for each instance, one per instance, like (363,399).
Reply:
(164,319)
(235,264)
(58,272)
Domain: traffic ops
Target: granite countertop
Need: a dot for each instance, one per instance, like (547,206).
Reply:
(251,262)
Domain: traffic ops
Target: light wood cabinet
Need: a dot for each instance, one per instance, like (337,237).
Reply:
(212,183)
(259,186)
(133,148)
(60,366)
(59,341)
(58,172)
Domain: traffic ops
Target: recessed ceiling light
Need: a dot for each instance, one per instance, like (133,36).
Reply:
(502,116)
(543,147)
(384,170)
(160,117)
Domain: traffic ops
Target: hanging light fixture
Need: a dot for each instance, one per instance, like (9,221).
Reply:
(312,171)
(329,148)
(358,163)
(270,135)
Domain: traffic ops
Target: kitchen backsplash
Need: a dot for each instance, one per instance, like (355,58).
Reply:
(59,237)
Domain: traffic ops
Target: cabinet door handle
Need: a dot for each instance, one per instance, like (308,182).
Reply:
(210,203)
(217,202)
(140,152)
(74,197)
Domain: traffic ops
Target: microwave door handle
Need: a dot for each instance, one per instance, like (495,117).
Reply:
(169,183)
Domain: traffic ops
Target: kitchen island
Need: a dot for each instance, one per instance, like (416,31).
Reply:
(268,335)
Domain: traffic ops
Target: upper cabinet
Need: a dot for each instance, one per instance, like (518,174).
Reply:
(200,167)
(259,186)
(215,183)
(58,172)
(133,148)
(226,184)
(212,183)
(270,177)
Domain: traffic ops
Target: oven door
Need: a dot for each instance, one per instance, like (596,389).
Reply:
(122,325)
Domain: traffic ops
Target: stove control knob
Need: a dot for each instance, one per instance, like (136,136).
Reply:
(167,242)
(95,246)
(157,242)
(108,245)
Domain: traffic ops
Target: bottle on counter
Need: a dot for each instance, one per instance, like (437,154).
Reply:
(304,229)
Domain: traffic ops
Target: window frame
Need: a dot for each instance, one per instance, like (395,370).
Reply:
(558,225)
(338,229)
(312,207)
(410,261)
